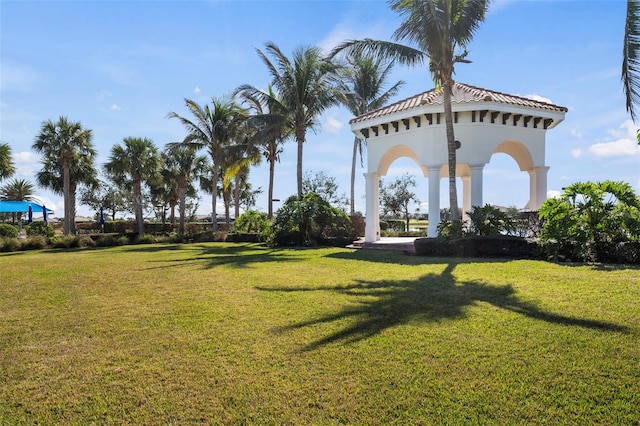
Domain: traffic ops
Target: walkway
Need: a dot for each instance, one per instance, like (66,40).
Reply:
(404,244)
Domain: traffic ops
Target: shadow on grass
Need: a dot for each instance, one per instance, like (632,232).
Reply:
(237,255)
(431,298)
(399,258)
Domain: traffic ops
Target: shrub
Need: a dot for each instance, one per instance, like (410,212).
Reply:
(35,242)
(310,221)
(490,221)
(358,224)
(85,241)
(145,239)
(9,244)
(449,230)
(40,228)
(588,221)
(111,240)
(254,223)
(8,231)
(479,246)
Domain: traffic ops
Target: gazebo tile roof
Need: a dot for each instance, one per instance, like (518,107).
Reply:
(462,93)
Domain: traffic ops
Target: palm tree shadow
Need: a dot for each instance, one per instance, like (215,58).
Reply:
(431,298)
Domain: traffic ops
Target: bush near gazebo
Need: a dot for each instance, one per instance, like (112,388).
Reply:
(592,222)
(310,221)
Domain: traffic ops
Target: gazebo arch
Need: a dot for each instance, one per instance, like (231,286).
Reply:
(394,153)
(486,122)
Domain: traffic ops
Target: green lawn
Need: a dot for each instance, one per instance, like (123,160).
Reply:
(241,334)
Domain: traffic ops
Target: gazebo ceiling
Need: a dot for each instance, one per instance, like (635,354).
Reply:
(487,105)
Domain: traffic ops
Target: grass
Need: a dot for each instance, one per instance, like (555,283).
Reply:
(241,334)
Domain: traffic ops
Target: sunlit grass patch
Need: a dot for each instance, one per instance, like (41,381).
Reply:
(226,334)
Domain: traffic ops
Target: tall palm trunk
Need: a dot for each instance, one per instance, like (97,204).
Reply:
(237,195)
(182,195)
(73,185)
(272,166)
(447,88)
(66,177)
(353,175)
(137,198)
(300,140)
(214,198)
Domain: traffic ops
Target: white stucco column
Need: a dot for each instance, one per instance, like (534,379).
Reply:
(476,185)
(434,201)
(466,196)
(537,187)
(372,216)
(541,186)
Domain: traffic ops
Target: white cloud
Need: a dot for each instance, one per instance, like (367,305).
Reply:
(18,78)
(351,29)
(553,193)
(103,95)
(576,133)
(535,97)
(26,163)
(625,143)
(196,90)
(576,153)
(116,107)
(332,125)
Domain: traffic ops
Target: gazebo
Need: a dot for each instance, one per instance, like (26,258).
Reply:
(485,122)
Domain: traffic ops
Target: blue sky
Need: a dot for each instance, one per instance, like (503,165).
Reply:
(119,67)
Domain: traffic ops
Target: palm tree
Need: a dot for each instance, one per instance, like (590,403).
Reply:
(17,190)
(270,123)
(631,58)
(241,155)
(305,85)
(213,128)
(135,162)
(82,172)
(362,89)
(440,30)
(7,168)
(63,144)
(185,165)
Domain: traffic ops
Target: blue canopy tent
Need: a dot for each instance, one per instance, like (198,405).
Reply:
(23,207)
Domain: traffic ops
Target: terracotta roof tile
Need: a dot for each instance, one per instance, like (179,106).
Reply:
(462,93)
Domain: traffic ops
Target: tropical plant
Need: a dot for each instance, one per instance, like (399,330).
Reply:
(82,173)
(68,153)
(396,196)
(441,31)
(305,85)
(588,216)
(309,221)
(241,155)
(252,221)
(361,89)
(182,164)
(489,220)
(17,190)
(269,120)
(631,58)
(132,164)
(7,167)
(212,128)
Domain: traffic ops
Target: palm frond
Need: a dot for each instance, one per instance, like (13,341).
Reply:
(631,58)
